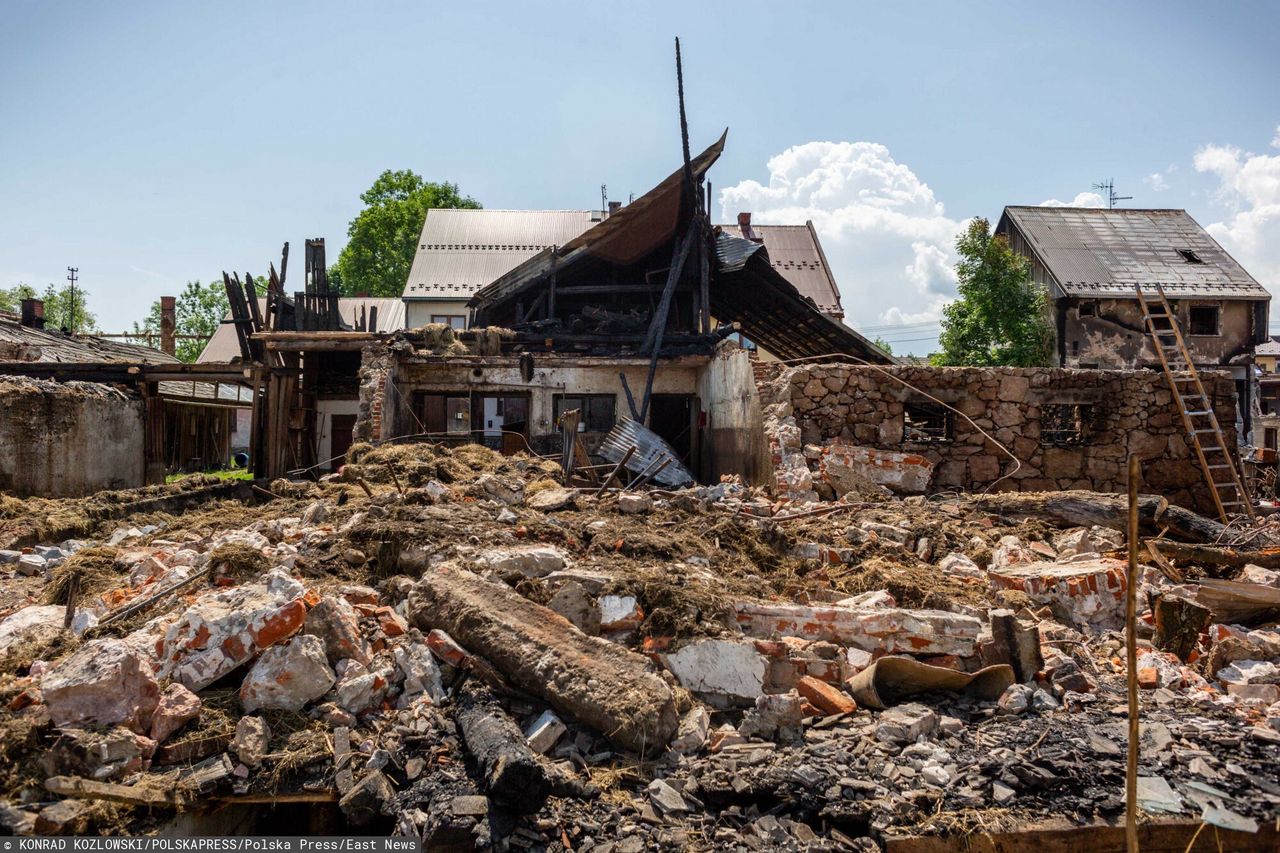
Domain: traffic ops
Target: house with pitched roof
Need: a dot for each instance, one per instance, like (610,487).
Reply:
(1091,260)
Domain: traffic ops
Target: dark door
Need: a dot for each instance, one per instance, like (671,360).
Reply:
(671,416)
(341,428)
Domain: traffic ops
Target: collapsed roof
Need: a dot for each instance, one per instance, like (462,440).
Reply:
(744,287)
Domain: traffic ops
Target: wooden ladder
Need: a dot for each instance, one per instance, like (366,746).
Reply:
(1195,407)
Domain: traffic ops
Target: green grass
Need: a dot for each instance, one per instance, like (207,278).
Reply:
(227,474)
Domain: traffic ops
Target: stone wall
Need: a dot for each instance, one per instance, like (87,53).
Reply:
(68,439)
(811,408)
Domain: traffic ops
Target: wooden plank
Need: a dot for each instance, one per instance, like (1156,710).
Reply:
(343,776)
(74,787)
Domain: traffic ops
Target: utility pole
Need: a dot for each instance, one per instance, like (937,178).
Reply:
(71,298)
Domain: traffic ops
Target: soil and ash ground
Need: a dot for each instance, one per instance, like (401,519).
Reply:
(820,781)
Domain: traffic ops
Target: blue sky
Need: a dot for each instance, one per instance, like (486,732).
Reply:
(154,143)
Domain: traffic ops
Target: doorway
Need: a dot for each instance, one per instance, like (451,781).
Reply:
(341,429)
(671,417)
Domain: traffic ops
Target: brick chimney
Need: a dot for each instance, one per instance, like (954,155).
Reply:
(33,313)
(168,324)
(744,225)
(614,207)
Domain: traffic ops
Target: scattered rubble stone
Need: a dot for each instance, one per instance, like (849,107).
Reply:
(177,707)
(288,676)
(104,683)
(224,629)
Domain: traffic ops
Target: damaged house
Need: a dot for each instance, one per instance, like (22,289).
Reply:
(1091,261)
(83,413)
(629,319)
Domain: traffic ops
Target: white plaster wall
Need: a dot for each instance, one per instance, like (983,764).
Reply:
(418,312)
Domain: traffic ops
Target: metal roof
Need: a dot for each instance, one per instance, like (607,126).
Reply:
(794,251)
(463,250)
(23,343)
(1095,253)
(224,347)
(752,292)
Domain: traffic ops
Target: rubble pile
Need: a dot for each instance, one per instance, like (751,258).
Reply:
(450,644)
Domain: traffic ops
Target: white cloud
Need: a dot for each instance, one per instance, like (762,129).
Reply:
(1275,140)
(1081,200)
(888,238)
(1249,187)
(1159,181)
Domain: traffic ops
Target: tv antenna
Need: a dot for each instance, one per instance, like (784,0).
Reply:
(1109,187)
(72,299)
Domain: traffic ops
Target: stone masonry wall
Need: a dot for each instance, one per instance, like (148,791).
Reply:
(1122,412)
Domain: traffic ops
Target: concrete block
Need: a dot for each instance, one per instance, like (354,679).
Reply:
(225,629)
(544,732)
(886,629)
(532,561)
(572,602)
(178,706)
(105,683)
(1084,592)
(337,624)
(692,734)
(723,673)
(903,473)
(619,613)
(634,504)
(906,723)
(39,623)
(288,676)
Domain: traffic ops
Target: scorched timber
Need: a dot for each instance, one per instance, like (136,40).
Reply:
(1085,509)
(586,678)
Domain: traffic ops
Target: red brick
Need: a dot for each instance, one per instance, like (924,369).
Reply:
(828,699)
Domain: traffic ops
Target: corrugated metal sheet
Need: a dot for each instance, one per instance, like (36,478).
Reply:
(795,253)
(223,346)
(22,343)
(463,250)
(1097,253)
(772,312)
(651,451)
(210,392)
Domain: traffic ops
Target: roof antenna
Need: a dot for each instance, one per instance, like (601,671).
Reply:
(604,198)
(1109,187)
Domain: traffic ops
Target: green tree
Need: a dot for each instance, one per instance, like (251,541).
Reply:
(11,297)
(383,237)
(1002,316)
(199,310)
(884,345)
(68,309)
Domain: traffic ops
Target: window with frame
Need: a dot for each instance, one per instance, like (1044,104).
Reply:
(1203,320)
(597,410)
(926,422)
(454,321)
(1064,424)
